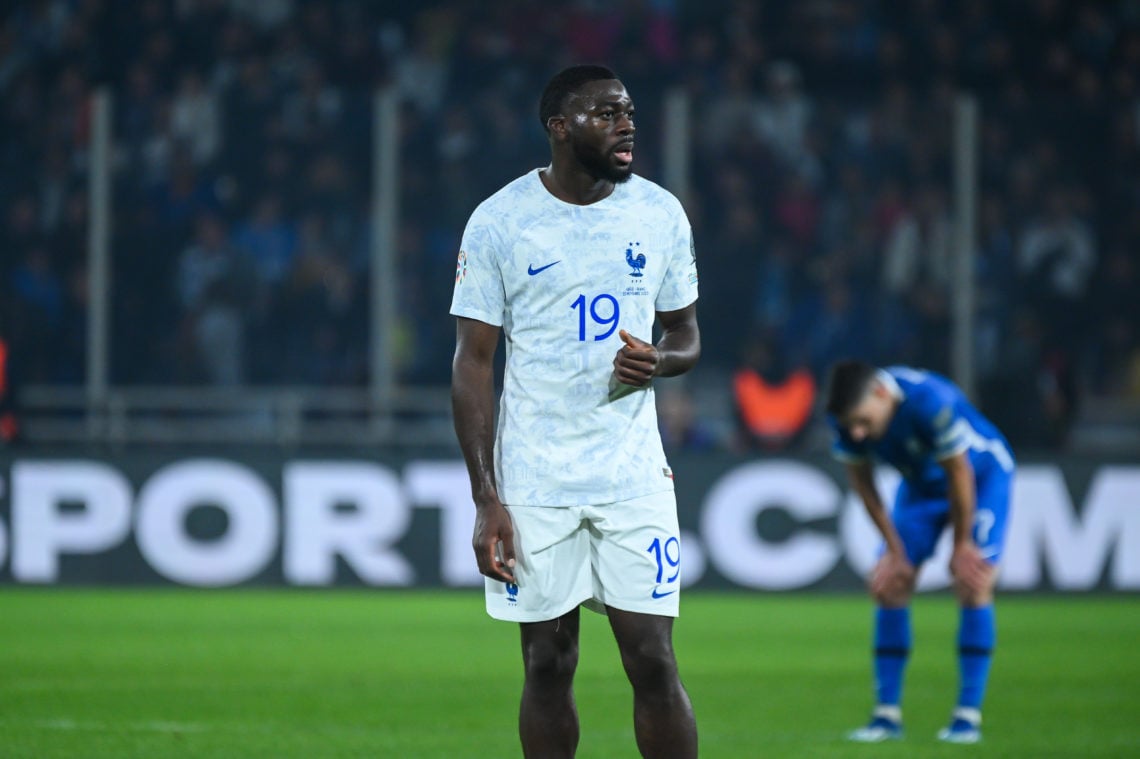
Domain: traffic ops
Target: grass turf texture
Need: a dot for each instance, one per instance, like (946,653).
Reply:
(250,673)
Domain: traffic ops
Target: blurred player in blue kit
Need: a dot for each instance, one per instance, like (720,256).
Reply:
(956,470)
(573,264)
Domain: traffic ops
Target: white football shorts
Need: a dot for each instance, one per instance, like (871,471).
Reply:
(625,554)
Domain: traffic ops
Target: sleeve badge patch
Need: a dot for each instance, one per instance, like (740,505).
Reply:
(461,268)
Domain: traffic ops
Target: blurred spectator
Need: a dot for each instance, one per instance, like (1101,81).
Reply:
(421,70)
(320,314)
(182,193)
(731,109)
(782,116)
(917,265)
(727,260)
(41,306)
(682,429)
(195,118)
(266,14)
(268,240)
(829,323)
(777,287)
(1115,295)
(1032,393)
(773,400)
(919,247)
(796,212)
(214,287)
(995,276)
(310,115)
(819,178)
(9,388)
(1056,258)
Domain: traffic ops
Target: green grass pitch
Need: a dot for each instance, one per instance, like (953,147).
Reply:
(290,673)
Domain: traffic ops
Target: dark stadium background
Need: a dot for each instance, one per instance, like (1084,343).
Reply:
(234,223)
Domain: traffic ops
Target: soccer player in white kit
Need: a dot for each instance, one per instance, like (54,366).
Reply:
(574,498)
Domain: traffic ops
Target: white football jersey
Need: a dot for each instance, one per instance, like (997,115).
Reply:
(562,280)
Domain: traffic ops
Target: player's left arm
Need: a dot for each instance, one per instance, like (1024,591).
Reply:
(638,362)
(966,562)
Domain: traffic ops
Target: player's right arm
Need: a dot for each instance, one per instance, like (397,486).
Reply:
(894,572)
(472,403)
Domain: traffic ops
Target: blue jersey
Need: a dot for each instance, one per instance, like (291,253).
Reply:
(932,422)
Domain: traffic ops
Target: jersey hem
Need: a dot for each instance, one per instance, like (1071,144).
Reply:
(585,500)
(470,313)
(949,454)
(519,615)
(667,307)
(653,608)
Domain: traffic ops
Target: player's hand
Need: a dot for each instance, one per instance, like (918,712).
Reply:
(969,568)
(636,361)
(494,541)
(893,577)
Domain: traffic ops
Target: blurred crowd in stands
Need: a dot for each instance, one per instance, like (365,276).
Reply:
(821,194)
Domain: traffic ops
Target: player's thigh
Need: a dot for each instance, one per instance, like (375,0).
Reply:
(919,522)
(644,640)
(991,515)
(637,554)
(552,569)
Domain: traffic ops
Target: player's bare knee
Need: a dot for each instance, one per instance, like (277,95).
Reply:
(650,664)
(550,661)
(893,598)
(972,598)
(896,593)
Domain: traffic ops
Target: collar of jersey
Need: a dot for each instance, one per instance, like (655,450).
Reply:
(560,202)
(891,384)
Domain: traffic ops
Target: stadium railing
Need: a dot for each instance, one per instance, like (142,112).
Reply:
(286,416)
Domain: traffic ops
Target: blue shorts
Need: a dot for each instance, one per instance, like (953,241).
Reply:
(920,520)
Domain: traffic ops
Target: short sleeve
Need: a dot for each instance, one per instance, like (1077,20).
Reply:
(479,292)
(679,288)
(939,422)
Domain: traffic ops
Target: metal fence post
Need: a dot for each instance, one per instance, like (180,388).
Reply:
(98,260)
(965,204)
(384,222)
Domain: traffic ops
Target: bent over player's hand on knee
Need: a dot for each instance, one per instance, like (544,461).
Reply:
(494,541)
(636,362)
(969,568)
(892,578)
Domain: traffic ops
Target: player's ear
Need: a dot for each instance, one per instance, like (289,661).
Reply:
(556,125)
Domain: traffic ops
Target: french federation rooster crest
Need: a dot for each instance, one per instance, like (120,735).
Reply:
(637,262)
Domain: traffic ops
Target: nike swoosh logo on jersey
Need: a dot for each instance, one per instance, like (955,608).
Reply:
(657,594)
(532,271)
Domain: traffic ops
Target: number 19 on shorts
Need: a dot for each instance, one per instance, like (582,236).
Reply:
(667,555)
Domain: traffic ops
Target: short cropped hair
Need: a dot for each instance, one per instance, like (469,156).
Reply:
(848,382)
(565,83)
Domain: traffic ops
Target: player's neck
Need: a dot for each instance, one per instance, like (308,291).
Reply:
(571,184)
(894,410)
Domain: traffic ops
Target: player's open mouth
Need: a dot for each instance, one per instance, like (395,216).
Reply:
(624,153)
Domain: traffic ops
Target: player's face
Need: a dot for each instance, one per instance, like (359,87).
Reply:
(599,119)
(871,416)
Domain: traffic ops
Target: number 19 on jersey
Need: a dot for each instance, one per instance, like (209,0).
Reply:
(608,314)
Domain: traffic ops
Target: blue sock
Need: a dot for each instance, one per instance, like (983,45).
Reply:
(892,646)
(976,636)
